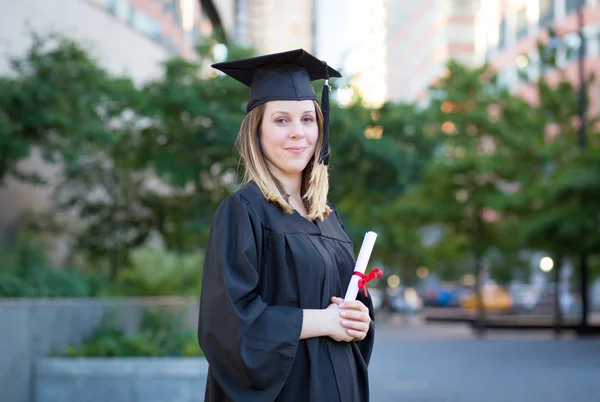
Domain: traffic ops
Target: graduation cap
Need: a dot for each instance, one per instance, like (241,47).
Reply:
(284,76)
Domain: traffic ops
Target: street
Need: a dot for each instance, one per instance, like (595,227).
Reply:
(417,362)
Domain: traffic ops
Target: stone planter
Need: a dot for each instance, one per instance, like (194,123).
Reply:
(120,379)
(40,327)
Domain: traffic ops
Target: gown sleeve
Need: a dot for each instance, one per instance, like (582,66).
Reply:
(250,346)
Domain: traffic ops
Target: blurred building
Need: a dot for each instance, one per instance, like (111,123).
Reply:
(174,24)
(274,25)
(519,24)
(423,35)
(126,36)
(350,35)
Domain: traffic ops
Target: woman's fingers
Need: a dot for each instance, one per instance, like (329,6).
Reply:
(357,335)
(354,305)
(355,325)
(355,315)
(355,318)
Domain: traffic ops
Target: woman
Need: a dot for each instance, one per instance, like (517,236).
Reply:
(272,324)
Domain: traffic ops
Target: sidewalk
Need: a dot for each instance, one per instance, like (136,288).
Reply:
(509,321)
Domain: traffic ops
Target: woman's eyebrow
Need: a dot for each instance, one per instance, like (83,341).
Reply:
(283,112)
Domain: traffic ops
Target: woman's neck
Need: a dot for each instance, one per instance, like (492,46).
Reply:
(292,184)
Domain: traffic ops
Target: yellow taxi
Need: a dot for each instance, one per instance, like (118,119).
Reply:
(495,298)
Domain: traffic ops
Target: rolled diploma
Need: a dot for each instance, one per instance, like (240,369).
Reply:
(361,264)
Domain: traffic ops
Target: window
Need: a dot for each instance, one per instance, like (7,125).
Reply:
(146,24)
(572,43)
(462,6)
(522,23)
(169,6)
(572,6)
(461,34)
(502,34)
(546,12)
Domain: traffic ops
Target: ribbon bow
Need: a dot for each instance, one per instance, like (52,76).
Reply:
(364,279)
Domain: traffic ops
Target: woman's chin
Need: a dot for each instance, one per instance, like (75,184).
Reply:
(294,168)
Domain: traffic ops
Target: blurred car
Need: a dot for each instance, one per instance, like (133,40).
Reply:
(404,300)
(436,296)
(524,297)
(546,301)
(495,298)
(442,295)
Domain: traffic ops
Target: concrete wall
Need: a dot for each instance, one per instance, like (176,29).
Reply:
(117,47)
(121,380)
(34,328)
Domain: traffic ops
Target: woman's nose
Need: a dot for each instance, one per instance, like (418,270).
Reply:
(297,130)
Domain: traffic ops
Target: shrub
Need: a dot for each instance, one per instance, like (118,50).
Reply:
(13,286)
(156,271)
(26,272)
(160,334)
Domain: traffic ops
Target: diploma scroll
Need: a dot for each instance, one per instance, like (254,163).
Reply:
(361,264)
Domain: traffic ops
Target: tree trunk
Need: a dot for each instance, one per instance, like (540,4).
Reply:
(3,172)
(583,288)
(558,318)
(480,315)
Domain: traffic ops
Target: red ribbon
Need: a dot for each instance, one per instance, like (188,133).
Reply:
(364,279)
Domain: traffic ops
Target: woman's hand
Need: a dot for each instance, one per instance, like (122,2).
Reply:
(333,323)
(355,317)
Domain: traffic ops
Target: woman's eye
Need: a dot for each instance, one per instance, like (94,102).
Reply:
(280,121)
(308,119)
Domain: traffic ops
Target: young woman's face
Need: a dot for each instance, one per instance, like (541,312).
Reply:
(289,135)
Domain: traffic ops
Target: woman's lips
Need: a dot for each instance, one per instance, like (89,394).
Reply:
(295,150)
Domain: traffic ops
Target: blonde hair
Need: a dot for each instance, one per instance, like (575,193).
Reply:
(315,177)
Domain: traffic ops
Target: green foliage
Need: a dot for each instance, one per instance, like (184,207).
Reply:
(462,185)
(156,271)
(56,102)
(160,334)
(558,204)
(13,286)
(164,161)
(474,176)
(27,273)
(377,156)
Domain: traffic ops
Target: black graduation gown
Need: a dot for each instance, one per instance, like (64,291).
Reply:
(262,267)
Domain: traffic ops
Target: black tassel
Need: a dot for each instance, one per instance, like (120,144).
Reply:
(324,157)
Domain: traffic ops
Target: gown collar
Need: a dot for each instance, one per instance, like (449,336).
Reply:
(273,218)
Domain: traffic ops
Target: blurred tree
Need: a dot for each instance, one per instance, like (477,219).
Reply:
(559,203)
(563,198)
(377,155)
(51,101)
(462,187)
(62,103)
(132,160)
(171,162)
(193,121)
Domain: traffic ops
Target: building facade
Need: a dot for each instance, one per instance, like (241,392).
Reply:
(422,36)
(274,25)
(174,24)
(520,24)
(350,36)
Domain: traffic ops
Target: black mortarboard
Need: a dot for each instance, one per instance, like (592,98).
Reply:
(284,76)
